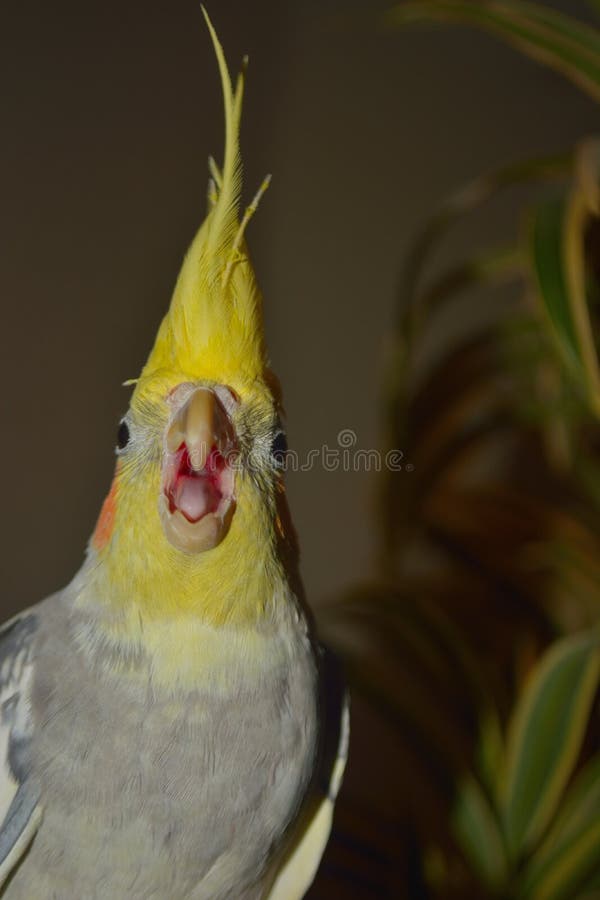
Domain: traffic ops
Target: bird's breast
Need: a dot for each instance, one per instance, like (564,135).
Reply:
(190,791)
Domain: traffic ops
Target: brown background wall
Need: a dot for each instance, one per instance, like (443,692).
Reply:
(109,111)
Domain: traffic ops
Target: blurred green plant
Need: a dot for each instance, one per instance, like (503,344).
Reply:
(523,832)
(479,642)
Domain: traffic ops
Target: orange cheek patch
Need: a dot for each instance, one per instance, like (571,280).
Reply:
(106,520)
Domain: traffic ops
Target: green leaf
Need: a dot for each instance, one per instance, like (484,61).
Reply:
(582,802)
(557,235)
(587,168)
(545,736)
(465,200)
(546,257)
(478,833)
(490,752)
(570,853)
(566,864)
(554,39)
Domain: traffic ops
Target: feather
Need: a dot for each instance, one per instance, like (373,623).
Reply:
(296,871)
(213,328)
(20,813)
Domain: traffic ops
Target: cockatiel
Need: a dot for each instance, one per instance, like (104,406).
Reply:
(167,723)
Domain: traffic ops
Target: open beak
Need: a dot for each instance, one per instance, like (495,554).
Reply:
(197,497)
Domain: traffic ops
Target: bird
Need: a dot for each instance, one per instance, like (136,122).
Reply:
(170,726)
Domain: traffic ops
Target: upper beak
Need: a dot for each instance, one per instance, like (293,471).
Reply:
(201,424)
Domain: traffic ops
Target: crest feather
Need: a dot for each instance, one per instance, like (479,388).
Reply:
(214,325)
(224,217)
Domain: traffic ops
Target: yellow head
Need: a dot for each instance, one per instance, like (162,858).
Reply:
(193,519)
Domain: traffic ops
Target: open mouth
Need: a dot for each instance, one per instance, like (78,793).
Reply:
(197,500)
(197,493)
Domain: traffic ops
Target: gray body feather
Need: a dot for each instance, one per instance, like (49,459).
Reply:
(145,793)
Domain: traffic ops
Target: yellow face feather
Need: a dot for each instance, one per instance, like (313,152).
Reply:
(211,341)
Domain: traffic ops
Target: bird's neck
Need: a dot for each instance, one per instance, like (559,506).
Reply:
(220,618)
(136,570)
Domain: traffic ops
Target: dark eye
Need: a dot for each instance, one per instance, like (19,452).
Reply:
(279,447)
(123,435)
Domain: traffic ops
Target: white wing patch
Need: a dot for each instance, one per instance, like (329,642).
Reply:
(22,842)
(15,681)
(300,865)
(19,810)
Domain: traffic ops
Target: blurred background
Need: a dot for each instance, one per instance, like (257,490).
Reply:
(109,112)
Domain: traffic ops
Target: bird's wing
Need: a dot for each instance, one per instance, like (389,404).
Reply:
(20,812)
(297,869)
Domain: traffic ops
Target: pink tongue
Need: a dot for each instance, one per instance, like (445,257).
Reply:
(196,497)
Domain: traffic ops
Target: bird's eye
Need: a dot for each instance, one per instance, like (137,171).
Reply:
(279,447)
(123,435)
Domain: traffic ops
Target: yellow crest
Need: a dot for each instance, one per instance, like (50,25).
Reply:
(213,329)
